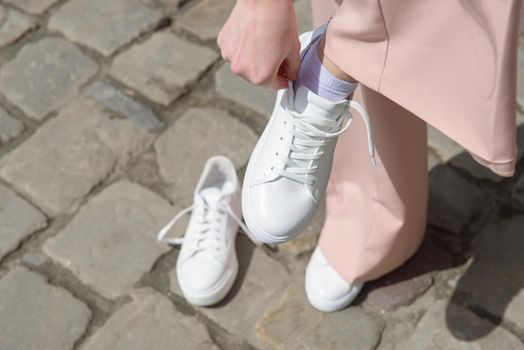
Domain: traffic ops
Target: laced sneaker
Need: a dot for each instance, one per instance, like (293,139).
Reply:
(207,264)
(325,289)
(289,169)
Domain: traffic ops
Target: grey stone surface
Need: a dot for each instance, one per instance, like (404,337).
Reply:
(32,6)
(206,18)
(162,66)
(14,24)
(453,201)
(292,324)
(520,142)
(445,327)
(119,102)
(259,282)
(495,281)
(445,147)
(404,285)
(520,118)
(518,191)
(66,212)
(18,219)
(9,127)
(36,315)
(44,75)
(199,134)
(71,154)
(433,160)
(304,15)
(111,242)
(170,4)
(104,25)
(238,90)
(466,162)
(150,322)
(520,76)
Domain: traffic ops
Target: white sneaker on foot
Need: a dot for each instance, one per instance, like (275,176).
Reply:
(325,289)
(289,168)
(207,264)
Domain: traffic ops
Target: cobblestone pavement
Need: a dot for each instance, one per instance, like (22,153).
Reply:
(108,110)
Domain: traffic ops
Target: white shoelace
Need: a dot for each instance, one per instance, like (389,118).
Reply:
(308,140)
(208,235)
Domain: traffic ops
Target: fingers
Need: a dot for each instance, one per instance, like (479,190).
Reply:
(281,82)
(292,64)
(264,74)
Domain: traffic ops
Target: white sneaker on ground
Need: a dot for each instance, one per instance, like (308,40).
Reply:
(207,264)
(289,168)
(325,289)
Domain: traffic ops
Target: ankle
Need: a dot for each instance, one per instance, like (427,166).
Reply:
(330,65)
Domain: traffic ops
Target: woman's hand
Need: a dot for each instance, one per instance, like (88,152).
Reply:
(260,40)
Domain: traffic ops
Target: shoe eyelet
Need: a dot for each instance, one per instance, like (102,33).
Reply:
(272,168)
(281,138)
(276,153)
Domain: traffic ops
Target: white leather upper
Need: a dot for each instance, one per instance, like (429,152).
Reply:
(281,201)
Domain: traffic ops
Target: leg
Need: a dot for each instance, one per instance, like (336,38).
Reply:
(376,216)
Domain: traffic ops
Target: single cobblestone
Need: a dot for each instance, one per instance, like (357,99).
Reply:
(453,201)
(199,134)
(205,19)
(445,327)
(111,242)
(292,324)
(36,315)
(162,66)
(103,25)
(150,322)
(60,163)
(18,219)
(35,7)
(236,89)
(14,25)
(119,102)
(445,147)
(45,75)
(71,154)
(259,282)
(494,282)
(9,127)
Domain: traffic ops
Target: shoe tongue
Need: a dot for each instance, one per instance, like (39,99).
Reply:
(211,195)
(310,104)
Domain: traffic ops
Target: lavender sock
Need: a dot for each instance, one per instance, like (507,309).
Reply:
(314,76)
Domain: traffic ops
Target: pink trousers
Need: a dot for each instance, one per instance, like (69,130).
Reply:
(448,63)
